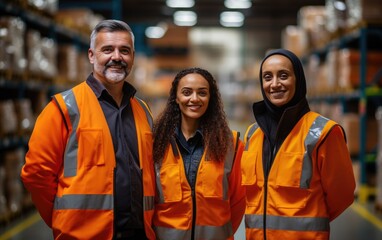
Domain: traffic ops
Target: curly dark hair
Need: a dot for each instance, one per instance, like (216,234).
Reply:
(217,135)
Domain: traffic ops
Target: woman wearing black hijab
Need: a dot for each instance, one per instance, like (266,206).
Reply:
(296,166)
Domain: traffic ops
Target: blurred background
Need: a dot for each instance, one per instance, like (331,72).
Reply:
(43,50)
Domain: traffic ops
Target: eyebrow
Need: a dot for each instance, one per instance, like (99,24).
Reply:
(192,88)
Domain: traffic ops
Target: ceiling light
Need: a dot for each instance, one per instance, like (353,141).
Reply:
(156,31)
(237,4)
(232,19)
(185,18)
(339,5)
(180,3)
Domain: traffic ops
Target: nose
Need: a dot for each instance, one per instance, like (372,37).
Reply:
(116,55)
(275,82)
(194,97)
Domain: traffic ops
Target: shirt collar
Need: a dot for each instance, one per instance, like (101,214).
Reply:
(182,140)
(100,89)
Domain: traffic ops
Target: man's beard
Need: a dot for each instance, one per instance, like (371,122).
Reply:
(112,74)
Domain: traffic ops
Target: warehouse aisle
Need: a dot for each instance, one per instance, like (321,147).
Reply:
(359,222)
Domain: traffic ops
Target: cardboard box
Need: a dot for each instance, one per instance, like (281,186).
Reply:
(351,124)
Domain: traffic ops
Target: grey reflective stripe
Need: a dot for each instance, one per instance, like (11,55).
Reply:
(84,201)
(310,142)
(254,221)
(287,223)
(227,170)
(148,114)
(201,232)
(71,150)
(158,183)
(213,232)
(164,233)
(148,203)
(249,135)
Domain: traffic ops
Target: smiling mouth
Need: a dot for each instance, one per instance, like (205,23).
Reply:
(194,107)
(118,67)
(278,94)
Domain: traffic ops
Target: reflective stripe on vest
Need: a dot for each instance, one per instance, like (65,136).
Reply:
(310,142)
(249,135)
(287,223)
(71,151)
(164,233)
(84,201)
(148,203)
(201,232)
(228,163)
(94,201)
(148,114)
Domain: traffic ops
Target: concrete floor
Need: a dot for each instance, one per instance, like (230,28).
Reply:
(359,222)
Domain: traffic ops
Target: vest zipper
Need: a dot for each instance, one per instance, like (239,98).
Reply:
(193,215)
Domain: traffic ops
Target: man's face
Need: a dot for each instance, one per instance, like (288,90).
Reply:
(112,56)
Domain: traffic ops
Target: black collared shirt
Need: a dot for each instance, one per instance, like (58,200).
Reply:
(128,190)
(192,152)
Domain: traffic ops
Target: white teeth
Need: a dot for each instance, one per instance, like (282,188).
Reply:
(277,94)
(194,107)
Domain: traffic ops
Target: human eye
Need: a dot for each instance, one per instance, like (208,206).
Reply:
(203,93)
(284,75)
(186,92)
(107,50)
(267,76)
(125,51)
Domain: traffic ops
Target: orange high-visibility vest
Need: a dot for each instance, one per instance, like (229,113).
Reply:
(219,197)
(310,182)
(69,168)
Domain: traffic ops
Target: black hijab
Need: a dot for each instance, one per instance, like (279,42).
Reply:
(300,92)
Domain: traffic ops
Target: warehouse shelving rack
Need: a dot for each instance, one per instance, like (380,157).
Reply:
(365,37)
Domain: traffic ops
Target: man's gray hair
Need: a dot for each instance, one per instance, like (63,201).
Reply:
(110,25)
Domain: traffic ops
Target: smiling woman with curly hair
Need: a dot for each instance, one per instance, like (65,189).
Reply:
(197,163)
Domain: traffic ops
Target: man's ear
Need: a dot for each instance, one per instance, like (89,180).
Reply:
(90,55)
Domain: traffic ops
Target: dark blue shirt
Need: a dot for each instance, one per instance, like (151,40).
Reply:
(192,152)
(128,190)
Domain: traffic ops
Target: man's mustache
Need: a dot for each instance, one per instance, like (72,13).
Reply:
(116,63)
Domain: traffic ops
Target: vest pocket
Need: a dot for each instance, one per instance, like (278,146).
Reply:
(249,178)
(92,156)
(248,168)
(170,182)
(287,190)
(211,175)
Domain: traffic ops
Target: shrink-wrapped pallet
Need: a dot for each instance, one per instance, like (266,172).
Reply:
(25,117)
(68,56)
(42,55)
(294,38)
(312,20)
(4,212)
(8,118)
(363,11)
(13,161)
(12,55)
